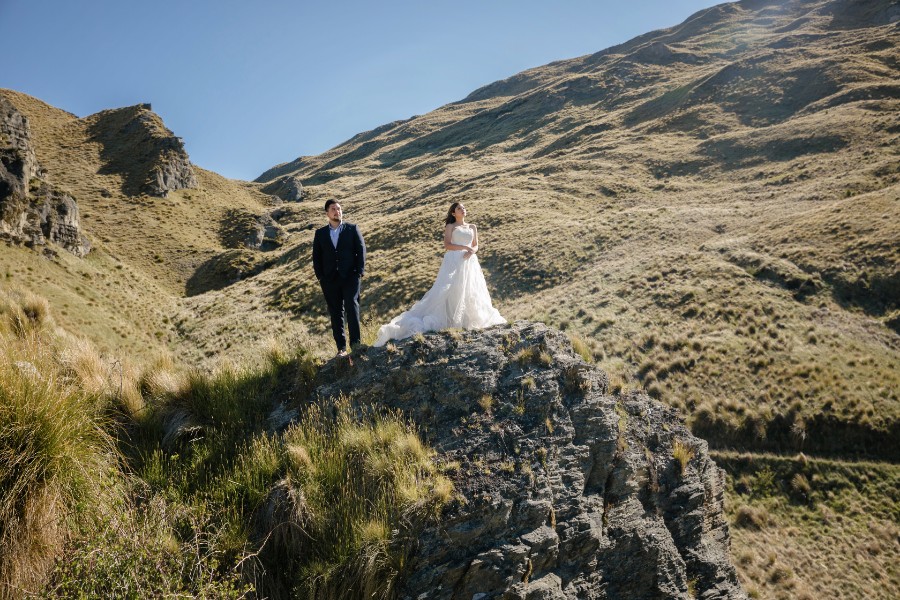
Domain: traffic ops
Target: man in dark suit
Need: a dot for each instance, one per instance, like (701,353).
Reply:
(339,260)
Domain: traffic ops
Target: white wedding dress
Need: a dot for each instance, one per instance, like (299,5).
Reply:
(458,298)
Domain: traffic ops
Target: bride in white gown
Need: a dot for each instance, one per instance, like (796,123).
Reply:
(459,296)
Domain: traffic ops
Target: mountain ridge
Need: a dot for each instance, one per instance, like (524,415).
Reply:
(710,212)
(747,145)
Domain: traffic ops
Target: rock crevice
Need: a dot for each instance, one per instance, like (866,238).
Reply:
(563,490)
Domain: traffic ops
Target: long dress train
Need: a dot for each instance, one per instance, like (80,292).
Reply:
(458,298)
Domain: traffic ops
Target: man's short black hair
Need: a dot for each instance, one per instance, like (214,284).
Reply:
(329,203)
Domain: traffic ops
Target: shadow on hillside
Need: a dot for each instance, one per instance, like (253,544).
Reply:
(126,146)
(823,435)
(758,91)
(223,270)
(875,294)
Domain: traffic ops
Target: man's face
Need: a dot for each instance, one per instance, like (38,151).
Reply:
(335,213)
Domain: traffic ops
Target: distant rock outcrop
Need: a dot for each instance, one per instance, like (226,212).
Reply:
(32,211)
(564,491)
(244,229)
(143,151)
(288,188)
(17,160)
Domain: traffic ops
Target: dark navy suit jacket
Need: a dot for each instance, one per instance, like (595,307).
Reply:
(348,258)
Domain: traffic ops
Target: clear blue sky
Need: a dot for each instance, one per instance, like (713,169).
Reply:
(249,85)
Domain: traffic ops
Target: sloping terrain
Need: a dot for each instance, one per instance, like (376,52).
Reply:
(148,252)
(713,207)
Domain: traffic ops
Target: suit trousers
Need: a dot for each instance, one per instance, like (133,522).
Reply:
(342,297)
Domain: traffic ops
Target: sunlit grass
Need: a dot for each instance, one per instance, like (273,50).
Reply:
(58,463)
(367,482)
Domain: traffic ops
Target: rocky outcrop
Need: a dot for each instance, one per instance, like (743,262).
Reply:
(266,234)
(17,160)
(564,491)
(143,151)
(32,211)
(289,188)
(244,229)
(172,169)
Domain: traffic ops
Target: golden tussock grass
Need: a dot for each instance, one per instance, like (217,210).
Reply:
(682,452)
(830,535)
(57,457)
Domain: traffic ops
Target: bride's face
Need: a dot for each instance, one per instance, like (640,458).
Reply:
(460,213)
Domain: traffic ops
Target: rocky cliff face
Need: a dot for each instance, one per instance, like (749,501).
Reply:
(564,491)
(32,211)
(138,146)
(17,160)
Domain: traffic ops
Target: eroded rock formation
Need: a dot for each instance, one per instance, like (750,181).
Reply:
(564,490)
(288,188)
(138,146)
(32,211)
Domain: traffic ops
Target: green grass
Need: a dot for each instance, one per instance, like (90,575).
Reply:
(361,487)
(117,481)
(57,457)
(813,528)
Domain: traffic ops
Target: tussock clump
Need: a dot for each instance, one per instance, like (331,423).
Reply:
(750,517)
(343,519)
(682,452)
(23,312)
(581,347)
(83,359)
(57,459)
(161,379)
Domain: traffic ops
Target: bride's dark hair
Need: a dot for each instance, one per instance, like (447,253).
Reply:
(450,218)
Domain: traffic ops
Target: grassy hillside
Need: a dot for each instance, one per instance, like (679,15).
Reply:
(150,254)
(713,207)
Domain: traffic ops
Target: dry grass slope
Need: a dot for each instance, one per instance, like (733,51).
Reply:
(713,207)
(150,253)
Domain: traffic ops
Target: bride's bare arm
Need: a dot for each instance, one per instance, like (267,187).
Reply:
(474,239)
(448,245)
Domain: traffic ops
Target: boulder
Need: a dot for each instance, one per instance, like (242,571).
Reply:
(289,188)
(265,234)
(563,490)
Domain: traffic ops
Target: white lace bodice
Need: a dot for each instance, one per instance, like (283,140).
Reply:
(462,235)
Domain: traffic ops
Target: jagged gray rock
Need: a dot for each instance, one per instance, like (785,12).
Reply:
(17,159)
(565,490)
(31,210)
(289,188)
(137,145)
(172,170)
(265,234)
